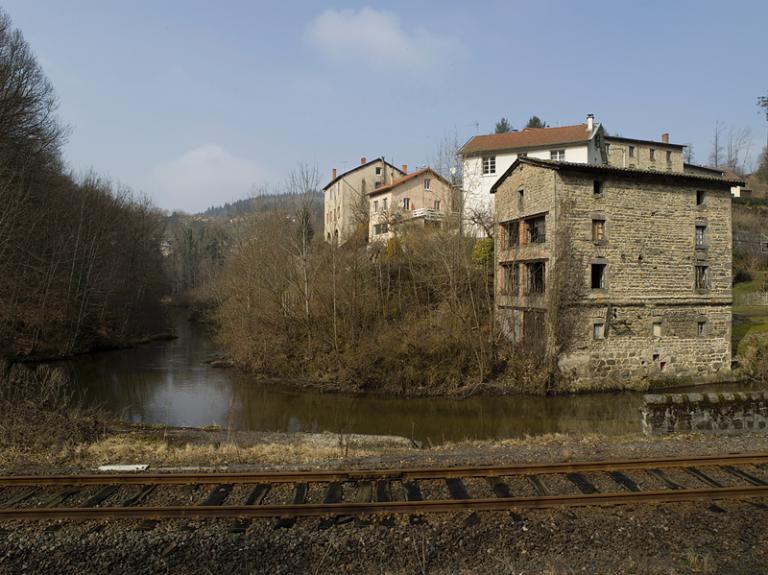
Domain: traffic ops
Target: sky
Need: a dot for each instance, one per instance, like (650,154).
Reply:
(195,103)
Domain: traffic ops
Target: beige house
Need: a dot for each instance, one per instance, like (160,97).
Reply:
(346,196)
(621,276)
(421,198)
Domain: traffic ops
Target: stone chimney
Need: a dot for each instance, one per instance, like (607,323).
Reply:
(404,167)
(333,174)
(665,137)
(363,160)
(590,122)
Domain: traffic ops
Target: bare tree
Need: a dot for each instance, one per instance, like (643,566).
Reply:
(716,155)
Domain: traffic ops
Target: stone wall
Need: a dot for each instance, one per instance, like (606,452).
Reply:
(618,155)
(711,413)
(657,326)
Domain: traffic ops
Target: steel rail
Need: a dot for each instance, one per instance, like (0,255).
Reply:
(215,478)
(391,507)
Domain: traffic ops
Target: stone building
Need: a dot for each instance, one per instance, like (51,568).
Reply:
(645,154)
(346,196)
(623,275)
(422,198)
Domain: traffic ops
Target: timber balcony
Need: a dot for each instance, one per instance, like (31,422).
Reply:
(428,214)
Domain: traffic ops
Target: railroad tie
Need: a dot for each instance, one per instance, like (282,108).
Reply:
(624,480)
(538,485)
(502,491)
(584,485)
(255,497)
(413,493)
(748,477)
(299,498)
(100,496)
(333,494)
(456,488)
(664,478)
(700,475)
(19,497)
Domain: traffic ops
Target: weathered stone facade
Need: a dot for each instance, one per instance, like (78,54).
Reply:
(621,305)
(709,413)
(644,154)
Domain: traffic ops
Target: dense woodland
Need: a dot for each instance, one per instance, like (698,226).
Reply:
(80,264)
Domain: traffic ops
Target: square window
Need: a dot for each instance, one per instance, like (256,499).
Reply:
(598,330)
(598,231)
(699,197)
(378,170)
(702,277)
(656,329)
(597,187)
(558,155)
(701,326)
(489,165)
(598,276)
(700,235)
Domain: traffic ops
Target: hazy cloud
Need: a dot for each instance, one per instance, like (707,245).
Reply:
(202,177)
(377,37)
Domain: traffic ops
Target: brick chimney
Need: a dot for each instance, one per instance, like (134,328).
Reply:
(665,137)
(404,167)
(333,174)
(363,160)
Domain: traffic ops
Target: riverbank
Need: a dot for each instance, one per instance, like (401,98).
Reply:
(670,539)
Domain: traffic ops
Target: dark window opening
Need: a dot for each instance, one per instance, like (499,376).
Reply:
(511,279)
(702,277)
(631,151)
(535,273)
(510,234)
(669,157)
(597,187)
(656,357)
(379,229)
(699,197)
(598,276)
(536,229)
(378,171)
(652,154)
(520,198)
(701,327)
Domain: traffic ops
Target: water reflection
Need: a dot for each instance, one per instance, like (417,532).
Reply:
(169,383)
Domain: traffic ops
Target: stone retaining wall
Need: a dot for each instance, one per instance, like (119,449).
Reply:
(711,413)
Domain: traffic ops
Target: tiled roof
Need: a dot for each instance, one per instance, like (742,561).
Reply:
(337,178)
(407,178)
(639,141)
(602,168)
(527,138)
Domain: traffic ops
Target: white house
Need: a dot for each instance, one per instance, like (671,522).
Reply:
(486,157)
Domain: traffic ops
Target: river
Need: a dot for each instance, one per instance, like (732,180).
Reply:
(170,383)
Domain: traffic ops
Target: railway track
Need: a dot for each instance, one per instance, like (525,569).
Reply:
(340,495)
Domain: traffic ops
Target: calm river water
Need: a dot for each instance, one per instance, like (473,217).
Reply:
(169,383)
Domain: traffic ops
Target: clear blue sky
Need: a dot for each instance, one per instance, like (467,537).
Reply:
(196,102)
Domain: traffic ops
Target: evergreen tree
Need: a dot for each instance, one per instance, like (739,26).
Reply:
(503,126)
(536,122)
